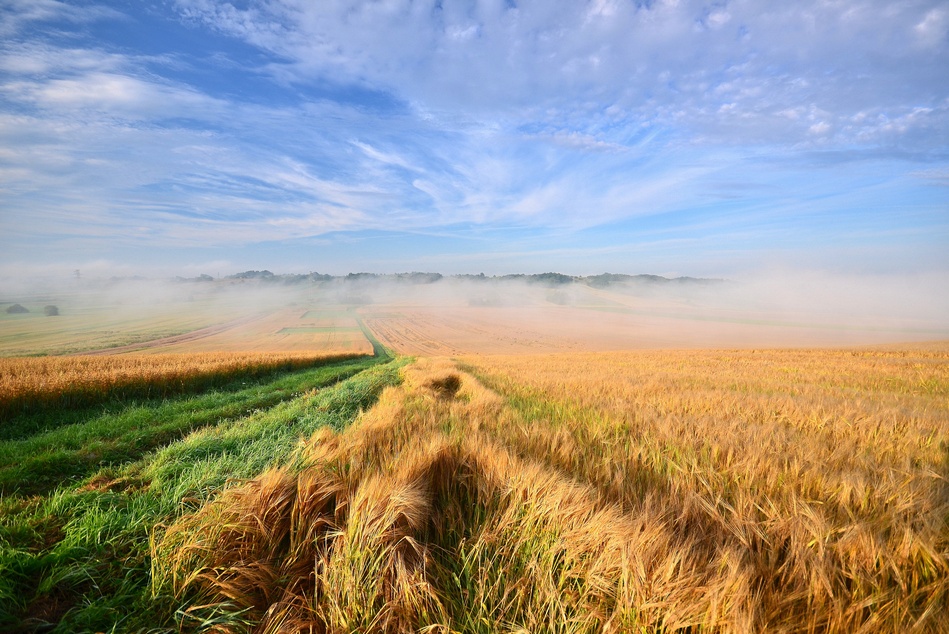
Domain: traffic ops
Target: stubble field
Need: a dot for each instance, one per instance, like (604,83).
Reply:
(531,320)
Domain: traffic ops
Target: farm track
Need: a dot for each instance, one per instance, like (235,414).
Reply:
(187,337)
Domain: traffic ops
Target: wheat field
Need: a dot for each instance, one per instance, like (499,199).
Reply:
(720,491)
(78,380)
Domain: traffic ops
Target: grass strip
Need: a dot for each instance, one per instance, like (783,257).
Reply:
(378,350)
(77,560)
(45,460)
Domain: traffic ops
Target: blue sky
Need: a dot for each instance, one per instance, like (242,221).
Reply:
(178,137)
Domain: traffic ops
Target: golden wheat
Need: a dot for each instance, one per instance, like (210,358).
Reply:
(780,491)
(80,379)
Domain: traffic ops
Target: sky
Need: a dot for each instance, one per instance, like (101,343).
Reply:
(671,137)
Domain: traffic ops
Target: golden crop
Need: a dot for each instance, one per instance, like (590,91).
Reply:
(748,491)
(76,380)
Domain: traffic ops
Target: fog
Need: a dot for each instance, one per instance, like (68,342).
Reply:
(431,314)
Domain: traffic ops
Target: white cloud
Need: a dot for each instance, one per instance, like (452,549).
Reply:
(762,60)
(386,158)
(719,19)
(115,94)
(933,29)
(38,59)
(19,13)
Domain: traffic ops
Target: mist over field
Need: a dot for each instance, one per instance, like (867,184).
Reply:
(431,313)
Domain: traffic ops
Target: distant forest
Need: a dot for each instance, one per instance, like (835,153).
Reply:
(544,279)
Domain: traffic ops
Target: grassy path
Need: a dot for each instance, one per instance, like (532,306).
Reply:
(378,350)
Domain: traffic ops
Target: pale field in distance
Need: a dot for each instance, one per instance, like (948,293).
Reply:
(182,319)
(294,329)
(84,328)
(576,319)
(455,317)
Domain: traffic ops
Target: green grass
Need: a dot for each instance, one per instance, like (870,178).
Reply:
(37,462)
(76,557)
(378,350)
(44,409)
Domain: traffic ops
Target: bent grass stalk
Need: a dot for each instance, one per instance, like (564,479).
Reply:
(723,491)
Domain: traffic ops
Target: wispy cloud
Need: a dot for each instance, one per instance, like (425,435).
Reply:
(735,65)
(19,14)
(212,123)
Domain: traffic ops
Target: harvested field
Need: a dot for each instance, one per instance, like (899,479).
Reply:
(287,330)
(84,329)
(531,329)
(189,330)
(455,318)
(188,338)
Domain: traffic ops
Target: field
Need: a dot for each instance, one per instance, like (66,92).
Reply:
(722,491)
(182,319)
(32,382)
(253,474)
(534,320)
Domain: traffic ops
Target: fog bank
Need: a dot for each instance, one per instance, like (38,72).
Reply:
(426,313)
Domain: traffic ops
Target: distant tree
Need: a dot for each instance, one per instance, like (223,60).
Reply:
(605,279)
(352,277)
(419,278)
(50,311)
(253,275)
(16,309)
(550,279)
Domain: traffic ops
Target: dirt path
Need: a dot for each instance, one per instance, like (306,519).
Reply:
(194,335)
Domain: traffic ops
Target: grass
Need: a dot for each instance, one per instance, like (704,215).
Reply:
(77,558)
(34,461)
